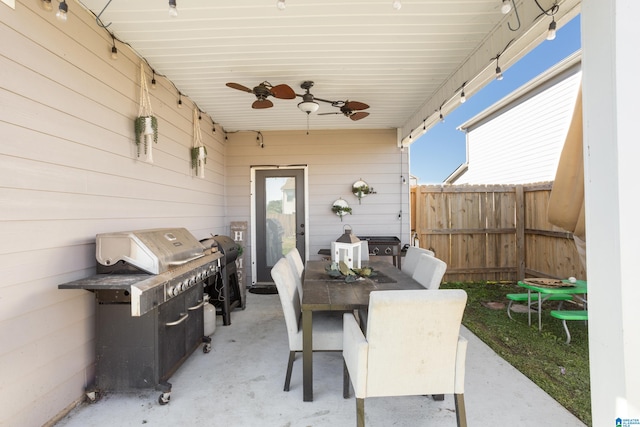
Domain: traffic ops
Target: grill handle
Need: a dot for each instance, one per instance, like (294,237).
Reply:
(195,307)
(180,320)
(177,263)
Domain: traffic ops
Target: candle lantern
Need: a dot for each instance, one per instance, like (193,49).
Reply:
(347,248)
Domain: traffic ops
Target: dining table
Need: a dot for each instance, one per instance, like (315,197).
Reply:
(546,288)
(322,291)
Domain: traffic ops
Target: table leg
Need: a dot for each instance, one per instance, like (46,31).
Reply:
(540,311)
(307,355)
(529,305)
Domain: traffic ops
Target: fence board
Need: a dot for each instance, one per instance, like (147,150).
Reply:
(493,233)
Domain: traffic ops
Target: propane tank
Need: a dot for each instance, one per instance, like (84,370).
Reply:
(209,317)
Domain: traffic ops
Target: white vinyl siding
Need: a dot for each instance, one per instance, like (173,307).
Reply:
(335,160)
(68,171)
(522,144)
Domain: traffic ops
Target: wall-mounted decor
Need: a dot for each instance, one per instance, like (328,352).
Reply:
(198,151)
(340,207)
(361,189)
(146,124)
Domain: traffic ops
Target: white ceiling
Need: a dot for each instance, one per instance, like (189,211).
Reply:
(403,63)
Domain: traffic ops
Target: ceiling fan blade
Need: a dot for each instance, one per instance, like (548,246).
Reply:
(355,105)
(326,114)
(359,115)
(239,87)
(262,103)
(283,92)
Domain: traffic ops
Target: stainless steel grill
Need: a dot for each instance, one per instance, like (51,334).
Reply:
(149,306)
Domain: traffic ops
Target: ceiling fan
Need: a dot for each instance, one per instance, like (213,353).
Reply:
(265,90)
(351,109)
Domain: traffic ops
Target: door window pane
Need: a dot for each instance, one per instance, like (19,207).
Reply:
(281,217)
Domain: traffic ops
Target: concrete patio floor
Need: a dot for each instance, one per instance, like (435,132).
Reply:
(240,382)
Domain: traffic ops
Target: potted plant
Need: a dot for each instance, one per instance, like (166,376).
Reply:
(198,151)
(146,124)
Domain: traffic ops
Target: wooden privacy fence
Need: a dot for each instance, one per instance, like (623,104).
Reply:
(493,232)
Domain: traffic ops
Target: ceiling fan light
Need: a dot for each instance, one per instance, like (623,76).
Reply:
(61,14)
(173,8)
(308,106)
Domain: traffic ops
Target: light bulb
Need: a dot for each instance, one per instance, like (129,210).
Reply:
(397,4)
(173,9)
(180,101)
(506,7)
(46,5)
(114,52)
(153,83)
(441,118)
(552,30)
(61,14)
(281,5)
(498,73)
(463,98)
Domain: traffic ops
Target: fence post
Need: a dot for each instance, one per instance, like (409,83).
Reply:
(520,238)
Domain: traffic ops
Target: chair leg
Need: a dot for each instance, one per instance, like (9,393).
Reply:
(438,397)
(287,378)
(461,412)
(345,380)
(360,412)
(566,329)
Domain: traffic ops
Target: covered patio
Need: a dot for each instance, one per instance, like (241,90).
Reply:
(240,384)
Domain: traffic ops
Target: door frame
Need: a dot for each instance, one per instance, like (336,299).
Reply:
(305,171)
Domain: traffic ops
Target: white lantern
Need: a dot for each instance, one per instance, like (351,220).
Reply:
(348,249)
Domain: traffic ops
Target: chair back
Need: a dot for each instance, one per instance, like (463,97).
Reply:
(410,260)
(429,271)
(284,278)
(412,340)
(297,265)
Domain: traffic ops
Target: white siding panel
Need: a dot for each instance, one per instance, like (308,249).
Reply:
(523,144)
(68,170)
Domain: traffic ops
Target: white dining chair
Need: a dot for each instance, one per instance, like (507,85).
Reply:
(327,329)
(429,271)
(411,258)
(412,347)
(295,260)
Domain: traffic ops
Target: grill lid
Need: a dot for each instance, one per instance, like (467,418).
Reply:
(154,251)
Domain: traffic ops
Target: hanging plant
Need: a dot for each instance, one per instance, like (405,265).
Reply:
(146,124)
(340,207)
(360,189)
(198,151)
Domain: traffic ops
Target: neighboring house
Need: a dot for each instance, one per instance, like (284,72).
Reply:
(518,140)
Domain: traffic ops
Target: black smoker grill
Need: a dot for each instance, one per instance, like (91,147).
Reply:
(385,245)
(223,289)
(149,306)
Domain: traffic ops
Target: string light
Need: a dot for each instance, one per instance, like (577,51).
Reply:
(441,116)
(463,97)
(153,79)
(506,7)
(46,5)
(499,75)
(173,9)
(114,49)
(397,4)
(281,5)
(179,100)
(61,14)
(551,34)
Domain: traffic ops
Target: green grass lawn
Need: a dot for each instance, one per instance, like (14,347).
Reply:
(559,369)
